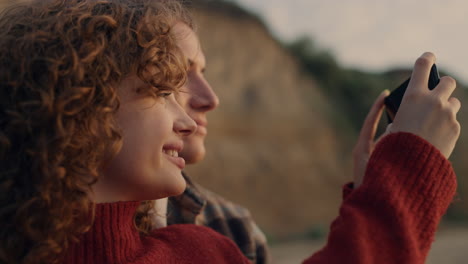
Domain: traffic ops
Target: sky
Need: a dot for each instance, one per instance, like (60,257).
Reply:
(375,34)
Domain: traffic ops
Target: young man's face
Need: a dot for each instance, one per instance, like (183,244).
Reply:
(147,166)
(197,97)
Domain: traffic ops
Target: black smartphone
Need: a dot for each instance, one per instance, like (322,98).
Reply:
(393,101)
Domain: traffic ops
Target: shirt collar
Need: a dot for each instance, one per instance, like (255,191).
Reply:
(191,201)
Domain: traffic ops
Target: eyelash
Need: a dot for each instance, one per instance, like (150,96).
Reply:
(164,94)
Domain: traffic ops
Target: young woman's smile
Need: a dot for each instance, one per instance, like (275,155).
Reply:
(171,151)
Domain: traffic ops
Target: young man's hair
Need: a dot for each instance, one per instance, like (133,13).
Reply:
(61,61)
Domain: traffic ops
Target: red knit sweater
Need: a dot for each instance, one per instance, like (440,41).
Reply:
(391,218)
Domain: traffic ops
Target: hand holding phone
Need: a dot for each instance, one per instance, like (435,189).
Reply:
(430,114)
(393,101)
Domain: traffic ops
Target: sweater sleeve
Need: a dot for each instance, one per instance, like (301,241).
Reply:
(392,217)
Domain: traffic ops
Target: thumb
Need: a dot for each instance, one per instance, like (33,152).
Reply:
(371,122)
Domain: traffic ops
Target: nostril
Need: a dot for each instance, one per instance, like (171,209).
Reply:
(187,127)
(186,132)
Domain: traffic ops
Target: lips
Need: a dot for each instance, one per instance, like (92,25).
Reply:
(201,122)
(171,152)
(201,126)
(201,130)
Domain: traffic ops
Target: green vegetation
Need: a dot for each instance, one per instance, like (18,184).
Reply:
(353,91)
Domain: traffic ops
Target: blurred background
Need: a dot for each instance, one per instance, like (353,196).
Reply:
(295,80)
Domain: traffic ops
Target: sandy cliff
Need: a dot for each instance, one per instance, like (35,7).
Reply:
(271,146)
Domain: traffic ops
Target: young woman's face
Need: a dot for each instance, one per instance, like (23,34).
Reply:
(147,166)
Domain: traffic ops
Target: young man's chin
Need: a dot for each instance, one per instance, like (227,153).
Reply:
(194,150)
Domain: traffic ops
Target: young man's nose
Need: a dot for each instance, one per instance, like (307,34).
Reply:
(203,98)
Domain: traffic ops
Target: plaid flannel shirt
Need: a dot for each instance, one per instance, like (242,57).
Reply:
(200,206)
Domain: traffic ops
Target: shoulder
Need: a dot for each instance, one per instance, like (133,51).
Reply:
(189,234)
(198,244)
(235,222)
(229,218)
(204,205)
(218,206)
(201,206)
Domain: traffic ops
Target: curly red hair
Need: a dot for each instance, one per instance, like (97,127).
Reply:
(61,61)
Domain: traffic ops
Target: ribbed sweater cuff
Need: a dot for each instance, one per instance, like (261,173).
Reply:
(413,175)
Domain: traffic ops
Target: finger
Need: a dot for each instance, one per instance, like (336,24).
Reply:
(422,68)
(454,104)
(371,122)
(446,87)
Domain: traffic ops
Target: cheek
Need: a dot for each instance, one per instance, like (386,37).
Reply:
(141,153)
(146,139)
